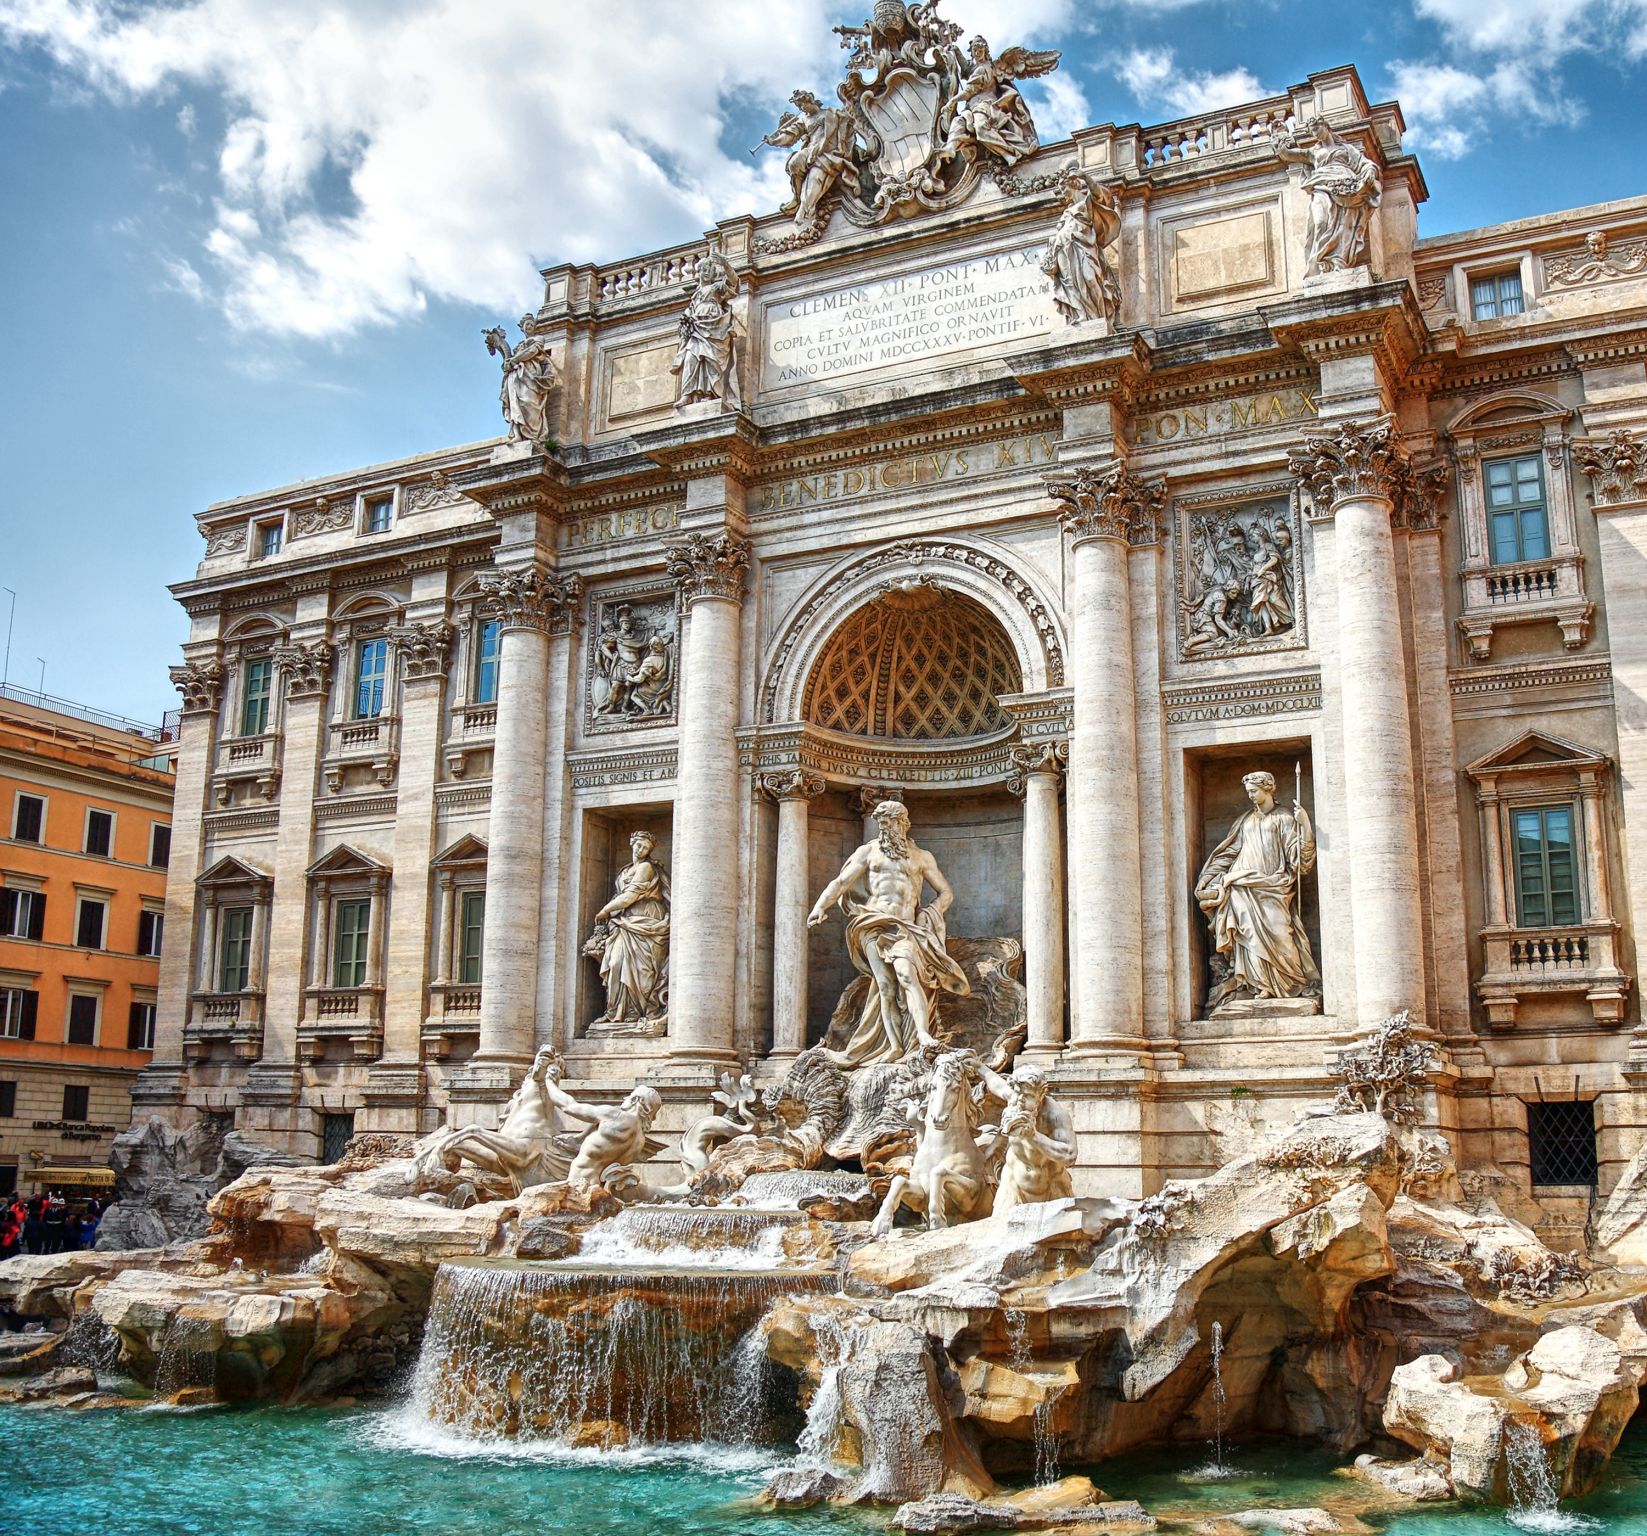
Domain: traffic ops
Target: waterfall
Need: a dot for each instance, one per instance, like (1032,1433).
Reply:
(598,1357)
(186,1355)
(1044,1440)
(673,1238)
(1219,1400)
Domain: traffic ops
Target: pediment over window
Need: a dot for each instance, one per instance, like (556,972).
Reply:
(347,860)
(1521,408)
(1536,751)
(231,871)
(468,850)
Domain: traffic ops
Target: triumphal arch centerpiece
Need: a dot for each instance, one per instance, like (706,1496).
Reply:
(1120,602)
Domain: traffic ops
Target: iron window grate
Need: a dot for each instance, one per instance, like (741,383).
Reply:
(335,1131)
(1561,1139)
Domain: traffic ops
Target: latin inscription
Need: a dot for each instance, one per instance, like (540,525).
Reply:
(900,471)
(902,320)
(631,523)
(1216,418)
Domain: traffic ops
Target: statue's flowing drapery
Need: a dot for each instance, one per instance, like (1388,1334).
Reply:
(922,944)
(1249,890)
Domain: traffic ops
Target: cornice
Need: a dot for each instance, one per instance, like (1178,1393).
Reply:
(532,482)
(727,443)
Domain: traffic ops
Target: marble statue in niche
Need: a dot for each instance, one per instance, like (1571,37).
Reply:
(1084,285)
(1344,187)
(1239,581)
(528,381)
(705,357)
(894,940)
(1251,891)
(631,942)
(632,662)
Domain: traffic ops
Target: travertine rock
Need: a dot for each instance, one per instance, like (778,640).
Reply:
(1621,1224)
(1575,1389)
(1423,1481)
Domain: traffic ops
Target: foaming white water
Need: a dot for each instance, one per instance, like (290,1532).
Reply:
(610,1244)
(1534,1494)
(1551,1522)
(406,1428)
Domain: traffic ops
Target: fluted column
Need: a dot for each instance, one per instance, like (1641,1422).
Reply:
(710,571)
(531,604)
(305,670)
(1037,769)
(1355,475)
(201,684)
(1104,510)
(794,791)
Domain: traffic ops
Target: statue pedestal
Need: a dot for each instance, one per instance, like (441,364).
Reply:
(1342,281)
(510,452)
(1266,1008)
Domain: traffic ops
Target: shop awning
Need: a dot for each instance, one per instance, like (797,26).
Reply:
(81,1178)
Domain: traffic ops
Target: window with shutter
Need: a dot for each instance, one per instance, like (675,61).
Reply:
(82,1019)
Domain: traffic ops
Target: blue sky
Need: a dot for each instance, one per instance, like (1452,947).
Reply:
(248,241)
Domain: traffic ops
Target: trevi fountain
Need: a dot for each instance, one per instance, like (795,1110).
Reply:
(953,921)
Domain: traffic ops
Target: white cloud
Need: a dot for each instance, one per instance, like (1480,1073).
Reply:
(1154,78)
(1539,28)
(379,154)
(1448,109)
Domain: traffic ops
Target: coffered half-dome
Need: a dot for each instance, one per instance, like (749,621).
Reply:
(919,663)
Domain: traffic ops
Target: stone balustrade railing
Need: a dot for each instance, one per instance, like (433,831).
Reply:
(667,269)
(1214,133)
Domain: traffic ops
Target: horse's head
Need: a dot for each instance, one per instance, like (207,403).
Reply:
(953,1078)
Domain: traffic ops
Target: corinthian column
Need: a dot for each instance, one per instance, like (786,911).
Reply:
(794,791)
(533,606)
(1037,768)
(1104,511)
(201,683)
(1355,475)
(710,572)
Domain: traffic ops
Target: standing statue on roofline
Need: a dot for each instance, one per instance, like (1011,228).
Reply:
(528,381)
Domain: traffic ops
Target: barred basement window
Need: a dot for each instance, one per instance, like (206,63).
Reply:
(335,1131)
(1561,1139)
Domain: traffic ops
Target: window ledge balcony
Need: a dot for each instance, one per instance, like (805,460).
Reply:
(1548,962)
(350,1014)
(473,727)
(375,742)
(242,758)
(1528,592)
(454,1014)
(234,1019)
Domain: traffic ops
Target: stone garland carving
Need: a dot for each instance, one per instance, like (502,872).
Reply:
(917,553)
(1344,186)
(533,598)
(1431,290)
(630,941)
(706,355)
(1387,1074)
(528,381)
(436,491)
(894,940)
(321,516)
(1108,502)
(1616,465)
(200,683)
(1598,262)
(920,122)
(1240,581)
(633,661)
(1034,757)
(424,648)
(704,565)
(1084,285)
(225,541)
(306,670)
(1250,890)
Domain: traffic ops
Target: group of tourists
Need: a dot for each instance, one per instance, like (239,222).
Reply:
(47,1223)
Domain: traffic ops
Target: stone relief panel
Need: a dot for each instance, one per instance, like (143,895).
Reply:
(632,662)
(1239,574)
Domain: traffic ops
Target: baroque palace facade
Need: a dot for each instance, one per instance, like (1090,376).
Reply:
(1061,493)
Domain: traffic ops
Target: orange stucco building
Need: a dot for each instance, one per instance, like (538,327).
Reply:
(85,836)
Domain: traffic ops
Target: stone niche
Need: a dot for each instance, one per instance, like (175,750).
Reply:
(977,838)
(1214,798)
(606,836)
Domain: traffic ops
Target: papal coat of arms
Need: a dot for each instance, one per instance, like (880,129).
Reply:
(921,120)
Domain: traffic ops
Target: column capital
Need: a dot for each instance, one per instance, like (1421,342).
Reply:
(1030,758)
(533,597)
(709,565)
(871,795)
(791,784)
(1355,461)
(1616,465)
(201,684)
(305,669)
(1108,501)
(425,649)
